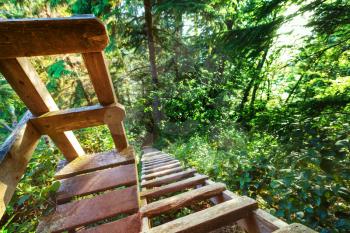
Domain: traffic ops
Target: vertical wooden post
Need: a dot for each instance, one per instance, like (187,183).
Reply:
(101,80)
(25,81)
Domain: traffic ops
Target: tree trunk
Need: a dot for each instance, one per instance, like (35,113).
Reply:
(153,67)
(293,89)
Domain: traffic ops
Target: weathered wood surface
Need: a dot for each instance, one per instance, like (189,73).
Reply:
(160,165)
(78,213)
(295,228)
(93,162)
(209,219)
(158,162)
(15,154)
(96,181)
(161,168)
(129,224)
(26,82)
(155,157)
(72,119)
(118,134)
(259,221)
(181,200)
(168,178)
(162,173)
(174,187)
(36,37)
(100,78)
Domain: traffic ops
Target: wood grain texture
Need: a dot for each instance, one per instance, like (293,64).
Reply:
(168,179)
(130,224)
(160,161)
(258,221)
(162,173)
(78,213)
(174,187)
(26,82)
(96,181)
(160,165)
(93,162)
(118,135)
(158,156)
(209,219)
(77,118)
(181,200)
(36,37)
(160,168)
(16,152)
(295,228)
(100,78)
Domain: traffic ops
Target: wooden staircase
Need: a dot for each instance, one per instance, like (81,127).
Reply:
(173,187)
(99,193)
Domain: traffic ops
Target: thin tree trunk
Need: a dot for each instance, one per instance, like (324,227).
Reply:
(293,89)
(153,67)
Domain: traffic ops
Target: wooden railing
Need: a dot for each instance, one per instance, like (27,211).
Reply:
(24,38)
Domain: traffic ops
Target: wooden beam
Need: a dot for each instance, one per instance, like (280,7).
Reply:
(37,37)
(209,219)
(100,78)
(168,179)
(72,119)
(160,168)
(16,153)
(162,173)
(25,81)
(118,134)
(174,187)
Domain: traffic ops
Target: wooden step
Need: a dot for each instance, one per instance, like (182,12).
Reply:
(160,168)
(96,181)
(160,165)
(162,173)
(168,178)
(79,213)
(174,187)
(158,156)
(93,162)
(154,162)
(130,224)
(211,218)
(181,200)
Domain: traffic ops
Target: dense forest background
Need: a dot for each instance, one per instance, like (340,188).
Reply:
(254,93)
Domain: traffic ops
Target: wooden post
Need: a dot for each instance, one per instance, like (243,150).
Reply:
(16,153)
(25,81)
(100,78)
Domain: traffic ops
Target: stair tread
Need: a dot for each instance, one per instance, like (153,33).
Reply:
(96,181)
(93,162)
(211,218)
(130,224)
(168,178)
(79,213)
(160,168)
(174,187)
(162,173)
(181,200)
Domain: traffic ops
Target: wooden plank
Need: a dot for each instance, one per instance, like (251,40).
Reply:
(151,153)
(26,82)
(211,218)
(295,228)
(130,224)
(158,162)
(158,156)
(36,37)
(160,168)
(174,187)
(259,221)
(181,200)
(93,162)
(78,213)
(160,165)
(15,154)
(100,78)
(168,179)
(77,118)
(162,173)
(96,182)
